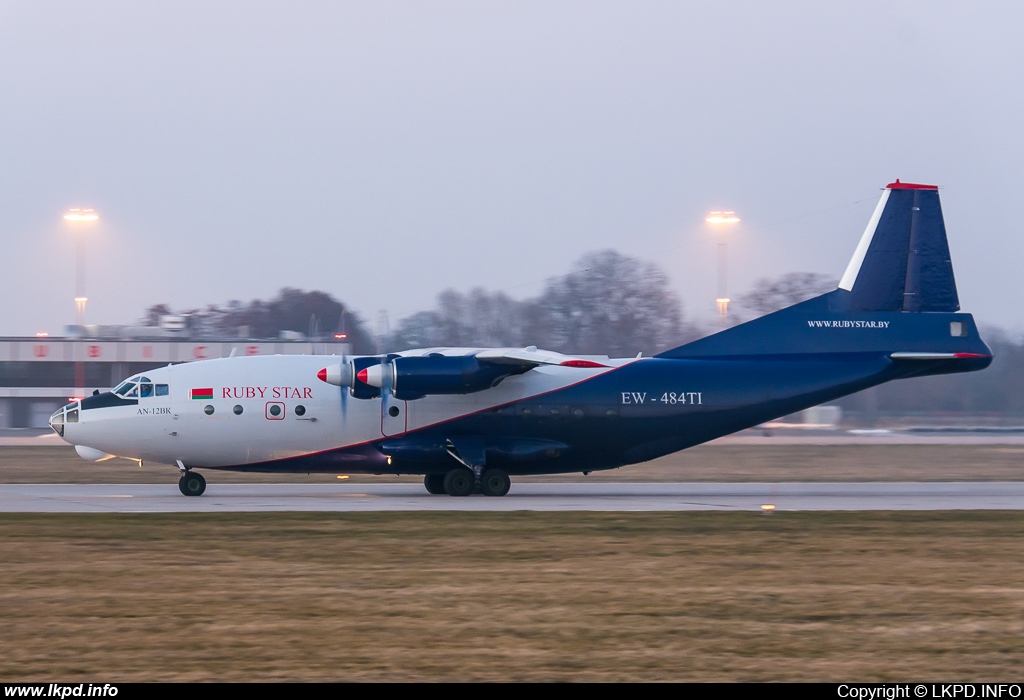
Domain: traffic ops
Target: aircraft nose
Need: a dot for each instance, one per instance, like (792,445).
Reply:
(57,422)
(62,416)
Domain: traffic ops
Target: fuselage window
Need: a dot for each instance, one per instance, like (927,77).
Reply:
(145,390)
(208,410)
(72,416)
(161,390)
(237,410)
(300,410)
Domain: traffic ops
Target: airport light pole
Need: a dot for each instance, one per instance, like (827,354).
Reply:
(721,220)
(79,219)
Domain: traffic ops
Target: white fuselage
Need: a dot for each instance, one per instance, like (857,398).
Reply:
(266,408)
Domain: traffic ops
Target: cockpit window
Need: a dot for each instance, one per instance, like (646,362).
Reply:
(139,386)
(129,388)
(57,422)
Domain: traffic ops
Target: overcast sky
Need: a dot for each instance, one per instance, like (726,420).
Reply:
(383,152)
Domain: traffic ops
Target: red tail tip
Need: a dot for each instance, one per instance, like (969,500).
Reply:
(909,186)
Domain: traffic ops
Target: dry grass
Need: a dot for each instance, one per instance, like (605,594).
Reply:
(60,464)
(512,596)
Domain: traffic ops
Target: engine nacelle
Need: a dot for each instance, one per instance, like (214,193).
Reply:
(416,377)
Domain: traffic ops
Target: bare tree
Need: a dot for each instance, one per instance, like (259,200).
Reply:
(477,319)
(611,304)
(155,313)
(290,310)
(768,295)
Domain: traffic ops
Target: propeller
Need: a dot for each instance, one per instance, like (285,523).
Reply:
(339,375)
(344,388)
(385,376)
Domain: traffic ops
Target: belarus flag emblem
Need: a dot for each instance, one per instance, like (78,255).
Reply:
(201,393)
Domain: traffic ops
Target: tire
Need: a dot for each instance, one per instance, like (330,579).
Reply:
(192,484)
(495,482)
(434,484)
(459,482)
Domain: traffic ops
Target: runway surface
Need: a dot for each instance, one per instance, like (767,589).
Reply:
(159,498)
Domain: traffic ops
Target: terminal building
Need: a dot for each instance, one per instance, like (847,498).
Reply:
(38,375)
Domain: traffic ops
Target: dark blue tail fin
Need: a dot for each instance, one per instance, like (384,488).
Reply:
(898,297)
(902,262)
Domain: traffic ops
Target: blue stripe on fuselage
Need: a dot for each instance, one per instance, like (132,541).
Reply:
(638,412)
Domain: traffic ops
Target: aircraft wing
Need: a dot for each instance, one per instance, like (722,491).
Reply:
(527,358)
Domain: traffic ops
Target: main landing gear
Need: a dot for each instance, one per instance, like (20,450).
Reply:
(191,483)
(463,482)
(434,484)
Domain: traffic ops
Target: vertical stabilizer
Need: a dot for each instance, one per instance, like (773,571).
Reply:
(901,267)
(902,262)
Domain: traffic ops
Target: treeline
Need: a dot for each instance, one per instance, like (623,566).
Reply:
(608,304)
(316,315)
(996,393)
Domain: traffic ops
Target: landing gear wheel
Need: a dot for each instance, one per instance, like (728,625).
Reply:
(434,484)
(459,482)
(495,482)
(192,484)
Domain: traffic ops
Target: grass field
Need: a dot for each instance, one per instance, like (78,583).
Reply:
(523,596)
(512,596)
(60,464)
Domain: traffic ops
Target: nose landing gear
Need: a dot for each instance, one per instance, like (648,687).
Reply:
(191,483)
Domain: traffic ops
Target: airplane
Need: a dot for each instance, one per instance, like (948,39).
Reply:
(468,419)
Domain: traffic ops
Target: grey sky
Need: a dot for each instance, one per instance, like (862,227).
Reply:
(385,151)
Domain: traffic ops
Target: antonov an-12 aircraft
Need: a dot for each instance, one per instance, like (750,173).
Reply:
(468,418)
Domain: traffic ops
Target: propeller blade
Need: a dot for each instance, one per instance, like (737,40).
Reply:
(345,388)
(384,371)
